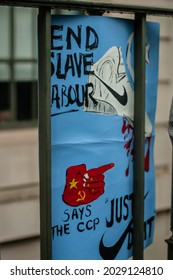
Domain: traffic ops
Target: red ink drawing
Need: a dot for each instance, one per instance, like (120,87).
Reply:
(127,130)
(84,186)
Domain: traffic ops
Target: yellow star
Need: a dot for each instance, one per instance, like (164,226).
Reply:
(73,184)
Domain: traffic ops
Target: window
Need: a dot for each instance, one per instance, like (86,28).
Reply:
(18,66)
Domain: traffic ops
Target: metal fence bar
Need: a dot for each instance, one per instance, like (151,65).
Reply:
(44,50)
(99,5)
(139,137)
(170,240)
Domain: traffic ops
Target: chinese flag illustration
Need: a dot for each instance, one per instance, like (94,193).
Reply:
(84,186)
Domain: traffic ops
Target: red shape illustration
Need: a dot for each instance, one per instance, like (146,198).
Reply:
(127,129)
(84,186)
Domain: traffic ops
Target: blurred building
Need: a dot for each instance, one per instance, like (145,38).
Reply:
(19,178)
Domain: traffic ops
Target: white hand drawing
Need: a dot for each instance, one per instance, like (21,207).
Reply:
(113,93)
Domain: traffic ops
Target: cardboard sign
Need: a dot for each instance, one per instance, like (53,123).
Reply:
(92,117)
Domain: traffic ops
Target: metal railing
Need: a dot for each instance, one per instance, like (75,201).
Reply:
(44,50)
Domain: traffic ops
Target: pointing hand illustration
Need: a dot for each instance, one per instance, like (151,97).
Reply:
(84,186)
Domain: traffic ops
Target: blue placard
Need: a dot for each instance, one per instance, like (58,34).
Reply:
(92,115)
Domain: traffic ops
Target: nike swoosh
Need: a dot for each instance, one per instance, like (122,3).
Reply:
(109,253)
(122,99)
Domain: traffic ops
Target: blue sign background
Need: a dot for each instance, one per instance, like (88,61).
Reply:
(81,136)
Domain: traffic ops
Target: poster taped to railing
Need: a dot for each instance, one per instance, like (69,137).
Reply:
(92,136)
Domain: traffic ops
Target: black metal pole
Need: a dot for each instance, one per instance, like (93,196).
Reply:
(44,50)
(139,135)
(170,240)
(97,5)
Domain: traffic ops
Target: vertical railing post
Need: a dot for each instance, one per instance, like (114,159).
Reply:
(44,50)
(139,134)
(170,240)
